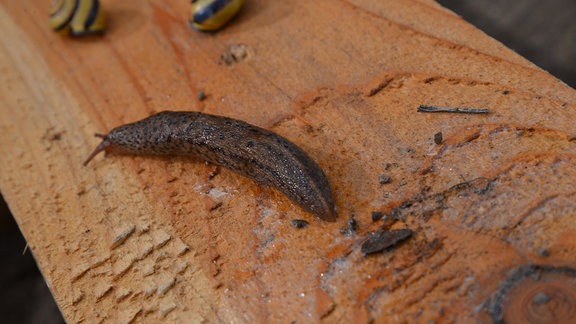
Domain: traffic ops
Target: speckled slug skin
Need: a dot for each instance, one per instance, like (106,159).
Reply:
(254,152)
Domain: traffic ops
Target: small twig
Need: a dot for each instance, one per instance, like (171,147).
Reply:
(426,108)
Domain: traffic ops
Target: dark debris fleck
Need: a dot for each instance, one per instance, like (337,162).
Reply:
(351,227)
(543,252)
(438,138)
(377,215)
(299,223)
(384,179)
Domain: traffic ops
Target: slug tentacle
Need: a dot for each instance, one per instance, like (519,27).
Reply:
(254,152)
(101,147)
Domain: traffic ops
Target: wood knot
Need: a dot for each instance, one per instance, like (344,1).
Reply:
(536,294)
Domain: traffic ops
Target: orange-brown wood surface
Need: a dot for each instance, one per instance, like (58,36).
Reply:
(492,207)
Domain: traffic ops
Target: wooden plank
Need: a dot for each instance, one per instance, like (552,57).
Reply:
(134,238)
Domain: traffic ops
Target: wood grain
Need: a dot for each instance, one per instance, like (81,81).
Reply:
(147,239)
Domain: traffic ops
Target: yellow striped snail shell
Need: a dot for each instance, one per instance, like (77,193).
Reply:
(211,15)
(77,17)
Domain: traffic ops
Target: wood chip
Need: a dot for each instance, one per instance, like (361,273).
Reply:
(380,240)
(425,108)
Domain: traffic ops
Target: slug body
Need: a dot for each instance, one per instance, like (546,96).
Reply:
(251,151)
(211,15)
(77,17)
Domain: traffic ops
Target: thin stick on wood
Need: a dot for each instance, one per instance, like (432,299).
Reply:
(426,108)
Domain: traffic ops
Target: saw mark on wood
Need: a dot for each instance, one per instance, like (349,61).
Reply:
(182,267)
(101,290)
(150,290)
(385,81)
(77,296)
(515,191)
(180,247)
(148,269)
(129,315)
(83,270)
(121,267)
(165,286)
(124,233)
(160,238)
(145,249)
(122,293)
(166,308)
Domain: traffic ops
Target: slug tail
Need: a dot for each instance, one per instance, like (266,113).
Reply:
(329,216)
(327,211)
(103,145)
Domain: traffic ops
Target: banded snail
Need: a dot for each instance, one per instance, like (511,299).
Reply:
(211,15)
(77,17)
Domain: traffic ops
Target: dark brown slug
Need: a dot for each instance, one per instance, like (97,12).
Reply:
(251,151)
